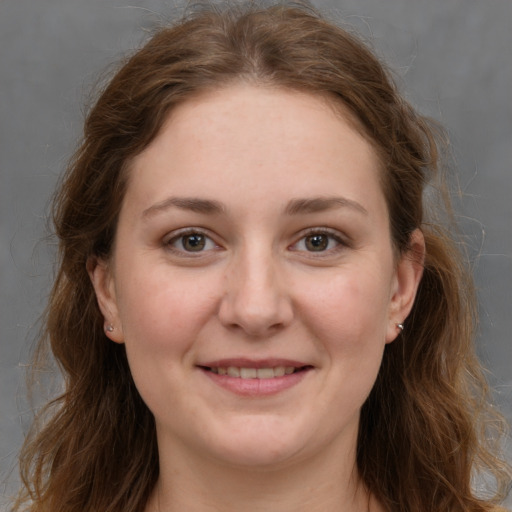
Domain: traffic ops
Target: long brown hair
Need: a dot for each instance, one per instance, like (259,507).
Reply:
(422,431)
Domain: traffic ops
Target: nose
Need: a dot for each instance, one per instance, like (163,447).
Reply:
(256,299)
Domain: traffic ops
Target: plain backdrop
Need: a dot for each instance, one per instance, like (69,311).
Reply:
(451,57)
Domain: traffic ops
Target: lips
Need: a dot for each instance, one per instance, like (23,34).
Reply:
(253,378)
(253,373)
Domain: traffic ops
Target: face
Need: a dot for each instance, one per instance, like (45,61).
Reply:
(253,279)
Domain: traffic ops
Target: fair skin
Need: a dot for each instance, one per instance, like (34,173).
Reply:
(254,284)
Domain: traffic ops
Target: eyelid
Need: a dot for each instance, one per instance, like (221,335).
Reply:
(180,233)
(342,240)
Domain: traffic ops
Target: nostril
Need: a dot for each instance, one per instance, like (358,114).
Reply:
(255,331)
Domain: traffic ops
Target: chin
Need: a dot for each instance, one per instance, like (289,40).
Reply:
(260,444)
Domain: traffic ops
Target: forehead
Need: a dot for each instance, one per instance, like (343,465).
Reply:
(254,139)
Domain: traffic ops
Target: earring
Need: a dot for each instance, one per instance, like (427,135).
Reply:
(109,328)
(400,326)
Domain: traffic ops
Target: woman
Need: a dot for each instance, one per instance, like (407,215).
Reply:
(255,309)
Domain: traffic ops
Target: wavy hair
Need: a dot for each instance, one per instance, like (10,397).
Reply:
(423,431)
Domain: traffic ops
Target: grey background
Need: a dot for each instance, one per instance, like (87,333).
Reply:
(453,58)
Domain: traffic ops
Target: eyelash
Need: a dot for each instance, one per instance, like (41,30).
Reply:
(319,232)
(182,235)
(341,243)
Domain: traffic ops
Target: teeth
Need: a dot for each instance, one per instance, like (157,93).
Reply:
(265,373)
(248,373)
(279,371)
(254,373)
(233,371)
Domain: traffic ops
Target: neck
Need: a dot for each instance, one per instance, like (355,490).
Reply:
(320,483)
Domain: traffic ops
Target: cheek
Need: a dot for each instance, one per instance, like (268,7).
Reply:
(163,311)
(355,302)
(162,317)
(348,317)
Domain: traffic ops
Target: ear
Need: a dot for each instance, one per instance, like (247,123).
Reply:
(408,273)
(103,282)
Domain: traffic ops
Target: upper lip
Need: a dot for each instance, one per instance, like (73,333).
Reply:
(242,362)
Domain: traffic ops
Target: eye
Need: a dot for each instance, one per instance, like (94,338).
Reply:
(191,242)
(318,241)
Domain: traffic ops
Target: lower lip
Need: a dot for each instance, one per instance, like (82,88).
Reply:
(257,387)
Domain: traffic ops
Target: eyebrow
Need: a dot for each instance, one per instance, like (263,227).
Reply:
(321,204)
(294,207)
(194,204)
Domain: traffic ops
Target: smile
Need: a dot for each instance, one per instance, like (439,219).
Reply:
(256,379)
(254,373)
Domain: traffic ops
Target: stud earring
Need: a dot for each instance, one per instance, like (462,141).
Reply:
(400,326)
(109,328)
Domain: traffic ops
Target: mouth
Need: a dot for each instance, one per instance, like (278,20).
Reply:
(255,378)
(241,372)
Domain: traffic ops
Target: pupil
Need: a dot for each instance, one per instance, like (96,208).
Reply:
(317,242)
(193,242)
